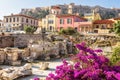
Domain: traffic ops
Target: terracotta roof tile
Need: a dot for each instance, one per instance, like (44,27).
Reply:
(70,15)
(56,7)
(117,18)
(21,15)
(103,22)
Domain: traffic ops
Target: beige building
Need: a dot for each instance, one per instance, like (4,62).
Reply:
(18,21)
(70,8)
(102,26)
(55,10)
(1,26)
(49,22)
(92,16)
(39,26)
(40,23)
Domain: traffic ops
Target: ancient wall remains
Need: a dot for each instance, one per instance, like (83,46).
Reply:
(6,41)
(22,40)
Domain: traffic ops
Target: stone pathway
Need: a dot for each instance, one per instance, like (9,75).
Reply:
(42,73)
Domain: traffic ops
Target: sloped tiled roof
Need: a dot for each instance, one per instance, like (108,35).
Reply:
(117,18)
(70,15)
(55,7)
(20,15)
(103,22)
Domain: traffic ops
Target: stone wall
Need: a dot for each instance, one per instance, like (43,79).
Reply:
(6,41)
(22,40)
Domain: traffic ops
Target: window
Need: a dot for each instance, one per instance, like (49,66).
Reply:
(26,20)
(6,19)
(95,31)
(97,26)
(10,20)
(13,24)
(69,21)
(57,12)
(50,21)
(22,19)
(61,21)
(103,27)
(50,28)
(13,19)
(17,19)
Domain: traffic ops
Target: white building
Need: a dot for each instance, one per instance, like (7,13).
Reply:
(2,28)
(18,21)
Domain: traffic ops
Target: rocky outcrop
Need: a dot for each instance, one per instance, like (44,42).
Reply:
(105,13)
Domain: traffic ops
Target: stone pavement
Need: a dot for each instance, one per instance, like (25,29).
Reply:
(42,73)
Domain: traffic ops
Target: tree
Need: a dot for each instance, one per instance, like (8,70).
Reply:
(117,28)
(81,15)
(29,29)
(68,31)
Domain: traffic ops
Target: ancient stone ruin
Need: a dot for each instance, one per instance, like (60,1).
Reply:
(16,72)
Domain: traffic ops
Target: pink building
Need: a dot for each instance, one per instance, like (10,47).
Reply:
(74,21)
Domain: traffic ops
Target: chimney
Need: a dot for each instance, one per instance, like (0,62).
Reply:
(11,14)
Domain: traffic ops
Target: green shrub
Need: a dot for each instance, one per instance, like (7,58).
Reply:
(29,29)
(115,58)
(68,31)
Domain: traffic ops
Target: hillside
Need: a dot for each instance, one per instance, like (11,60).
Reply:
(41,12)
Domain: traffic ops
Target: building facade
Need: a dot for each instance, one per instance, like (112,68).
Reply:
(92,16)
(18,21)
(2,26)
(102,26)
(55,10)
(70,8)
(49,23)
(69,20)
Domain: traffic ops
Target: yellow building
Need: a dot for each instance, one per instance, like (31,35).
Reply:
(102,26)
(92,16)
(40,23)
(49,23)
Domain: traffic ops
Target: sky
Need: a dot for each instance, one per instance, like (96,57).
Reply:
(14,6)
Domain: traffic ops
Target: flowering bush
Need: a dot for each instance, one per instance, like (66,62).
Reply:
(88,64)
